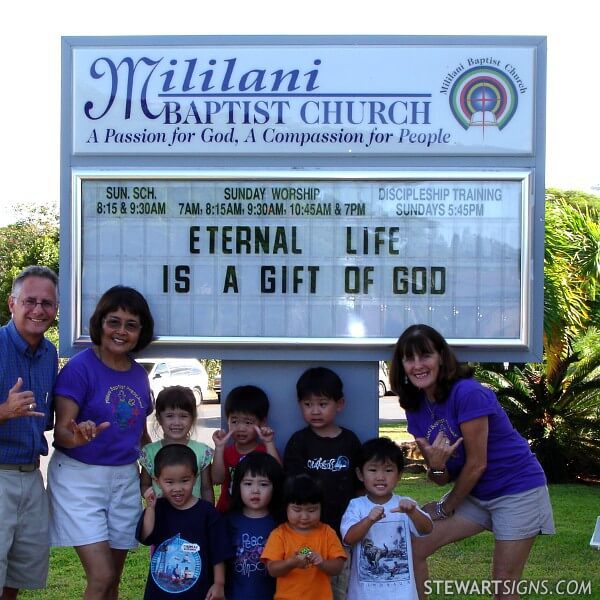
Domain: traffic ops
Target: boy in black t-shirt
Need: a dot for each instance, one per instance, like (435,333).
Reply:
(325,450)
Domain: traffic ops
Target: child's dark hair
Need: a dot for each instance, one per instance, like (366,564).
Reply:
(258,464)
(302,489)
(173,455)
(381,449)
(320,381)
(249,400)
(177,396)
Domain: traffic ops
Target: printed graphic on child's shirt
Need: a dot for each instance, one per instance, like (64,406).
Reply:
(383,554)
(341,463)
(176,565)
(247,557)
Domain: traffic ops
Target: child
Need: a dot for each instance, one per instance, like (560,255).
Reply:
(303,553)
(254,508)
(176,413)
(379,527)
(246,409)
(189,534)
(325,450)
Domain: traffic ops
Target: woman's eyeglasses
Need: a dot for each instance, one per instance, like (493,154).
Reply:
(115,324)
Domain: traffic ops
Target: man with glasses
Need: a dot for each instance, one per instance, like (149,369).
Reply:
(28,367)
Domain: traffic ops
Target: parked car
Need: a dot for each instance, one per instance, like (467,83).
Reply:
(165,372)
(384,380)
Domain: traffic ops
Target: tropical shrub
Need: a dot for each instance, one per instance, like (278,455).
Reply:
(559,415)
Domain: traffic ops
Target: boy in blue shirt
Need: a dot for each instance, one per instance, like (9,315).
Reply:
(189,534)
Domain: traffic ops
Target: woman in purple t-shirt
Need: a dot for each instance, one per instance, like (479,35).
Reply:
(466,438)
(102,399)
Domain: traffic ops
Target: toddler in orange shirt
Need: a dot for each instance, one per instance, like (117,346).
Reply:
(303,553)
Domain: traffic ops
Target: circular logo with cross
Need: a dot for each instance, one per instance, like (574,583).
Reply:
(483,97)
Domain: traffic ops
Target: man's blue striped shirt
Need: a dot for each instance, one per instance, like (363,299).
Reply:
(22,439)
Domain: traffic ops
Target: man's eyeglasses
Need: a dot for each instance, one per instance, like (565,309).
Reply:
(114,323)
(31,303)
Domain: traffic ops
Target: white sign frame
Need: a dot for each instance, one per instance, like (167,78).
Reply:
(285,178)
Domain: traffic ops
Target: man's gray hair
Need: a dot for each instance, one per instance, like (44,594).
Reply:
(33,271)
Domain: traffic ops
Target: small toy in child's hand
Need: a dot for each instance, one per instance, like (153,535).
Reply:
(305,551)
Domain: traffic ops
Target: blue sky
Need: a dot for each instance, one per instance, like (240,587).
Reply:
(30,48)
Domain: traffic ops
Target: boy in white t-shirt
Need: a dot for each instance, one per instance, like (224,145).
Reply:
(379,527)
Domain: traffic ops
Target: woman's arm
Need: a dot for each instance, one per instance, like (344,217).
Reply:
(436,456)
(146,439)
(475,438)
(68,433)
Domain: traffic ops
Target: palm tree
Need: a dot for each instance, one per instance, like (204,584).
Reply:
(556,404)
(571,277)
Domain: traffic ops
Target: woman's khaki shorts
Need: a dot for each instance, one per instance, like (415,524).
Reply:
(512,517)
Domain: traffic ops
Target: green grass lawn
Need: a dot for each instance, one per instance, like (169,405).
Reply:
(564,556)
(395,431)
